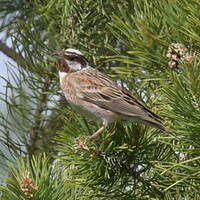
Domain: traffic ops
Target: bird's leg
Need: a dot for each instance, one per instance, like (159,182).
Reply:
(95,134)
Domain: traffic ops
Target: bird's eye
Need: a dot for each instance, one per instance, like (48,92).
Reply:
(72,59)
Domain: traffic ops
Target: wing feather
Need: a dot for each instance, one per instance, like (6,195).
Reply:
(104,92)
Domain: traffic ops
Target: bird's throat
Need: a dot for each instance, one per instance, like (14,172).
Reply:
(62,74)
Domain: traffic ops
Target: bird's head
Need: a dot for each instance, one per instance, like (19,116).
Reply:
(70,60)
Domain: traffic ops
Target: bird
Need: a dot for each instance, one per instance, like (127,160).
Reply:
(97,96)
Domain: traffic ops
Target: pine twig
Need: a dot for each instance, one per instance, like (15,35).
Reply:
(18,58)
(35,135)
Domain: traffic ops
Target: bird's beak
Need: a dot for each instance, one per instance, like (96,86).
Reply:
(56,54)
(56,57)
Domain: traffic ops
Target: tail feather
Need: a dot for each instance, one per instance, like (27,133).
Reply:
(156,124)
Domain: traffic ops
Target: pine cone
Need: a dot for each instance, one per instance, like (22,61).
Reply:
(178,52)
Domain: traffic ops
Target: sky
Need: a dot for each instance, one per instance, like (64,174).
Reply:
(4,62)
(3,73)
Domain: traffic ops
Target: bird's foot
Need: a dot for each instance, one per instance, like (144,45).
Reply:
(94,138)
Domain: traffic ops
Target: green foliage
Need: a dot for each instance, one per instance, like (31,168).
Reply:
(116,166)
(39,178)
(128,40)
(182,100)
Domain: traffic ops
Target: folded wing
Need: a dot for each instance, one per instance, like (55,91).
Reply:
(103,92)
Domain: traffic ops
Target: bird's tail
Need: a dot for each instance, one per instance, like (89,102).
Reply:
(156,124)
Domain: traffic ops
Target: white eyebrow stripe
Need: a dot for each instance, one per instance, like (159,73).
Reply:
(75,51)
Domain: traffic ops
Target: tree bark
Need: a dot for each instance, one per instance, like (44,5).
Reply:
(18,58)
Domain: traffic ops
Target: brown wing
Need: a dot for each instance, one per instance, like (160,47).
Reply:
(102,91)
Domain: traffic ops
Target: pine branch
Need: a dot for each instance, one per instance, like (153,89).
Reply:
(18,58)
(42,102)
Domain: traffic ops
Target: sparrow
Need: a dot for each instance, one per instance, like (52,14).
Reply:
(95,95)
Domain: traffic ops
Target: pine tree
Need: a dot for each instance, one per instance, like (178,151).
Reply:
(149,47)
